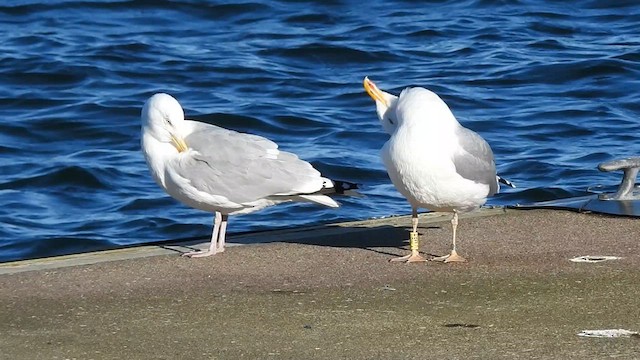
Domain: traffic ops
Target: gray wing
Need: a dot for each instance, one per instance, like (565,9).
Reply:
(244,167)
(474,160)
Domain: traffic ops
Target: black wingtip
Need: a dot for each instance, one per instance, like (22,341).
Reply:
(505,182)
(344,187)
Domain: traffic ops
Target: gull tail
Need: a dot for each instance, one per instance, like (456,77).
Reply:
(505,181)
(339,187)
(332,188)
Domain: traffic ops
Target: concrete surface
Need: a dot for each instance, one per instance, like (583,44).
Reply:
(330,293)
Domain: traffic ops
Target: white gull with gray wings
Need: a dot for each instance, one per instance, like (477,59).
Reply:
(223,171)
(431,159)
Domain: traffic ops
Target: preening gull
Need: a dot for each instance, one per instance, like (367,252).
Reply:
(223,171)
(432,160)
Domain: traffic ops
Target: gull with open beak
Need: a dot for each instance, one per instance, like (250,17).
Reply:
(432,160)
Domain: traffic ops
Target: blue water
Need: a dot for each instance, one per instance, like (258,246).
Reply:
(554,88)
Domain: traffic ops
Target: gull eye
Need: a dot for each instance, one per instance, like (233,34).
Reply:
(390,121)
(166,118)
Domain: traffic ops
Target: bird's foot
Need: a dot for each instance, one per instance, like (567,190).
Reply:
(453,257)
(413,257)
(199,253)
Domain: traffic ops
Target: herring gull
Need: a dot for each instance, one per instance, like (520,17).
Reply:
(223,171)
(432,160)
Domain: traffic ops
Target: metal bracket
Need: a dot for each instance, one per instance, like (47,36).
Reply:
(630,167)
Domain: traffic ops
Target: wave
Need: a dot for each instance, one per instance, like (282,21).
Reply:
(550,90)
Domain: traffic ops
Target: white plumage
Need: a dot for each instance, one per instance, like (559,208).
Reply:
(222,171)
(431,159)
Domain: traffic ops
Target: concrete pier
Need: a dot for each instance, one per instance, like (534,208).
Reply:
(329,292)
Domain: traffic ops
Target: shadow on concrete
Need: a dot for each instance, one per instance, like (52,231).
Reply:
(340,236)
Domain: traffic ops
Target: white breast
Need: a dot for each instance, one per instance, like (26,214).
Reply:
(420,166)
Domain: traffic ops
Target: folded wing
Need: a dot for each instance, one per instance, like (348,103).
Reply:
(242,167)
(474,159)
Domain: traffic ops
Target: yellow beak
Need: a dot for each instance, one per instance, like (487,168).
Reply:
(179,143)
(374,92)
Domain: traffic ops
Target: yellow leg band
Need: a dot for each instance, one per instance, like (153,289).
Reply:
(413,241)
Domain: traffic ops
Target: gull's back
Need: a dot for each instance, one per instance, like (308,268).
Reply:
(243,168)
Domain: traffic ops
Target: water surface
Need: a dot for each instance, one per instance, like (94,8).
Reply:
(552,87)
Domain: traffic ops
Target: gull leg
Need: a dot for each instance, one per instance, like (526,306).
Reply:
(213,245)
(413,242)
(453,257)
(222,236)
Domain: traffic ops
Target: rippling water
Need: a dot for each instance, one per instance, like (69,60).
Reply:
(553,88)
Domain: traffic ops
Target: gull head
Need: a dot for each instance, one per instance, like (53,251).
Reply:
(419,105)
(385,105)
(163,118)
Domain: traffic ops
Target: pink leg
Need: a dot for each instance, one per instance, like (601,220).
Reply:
(453,257)
(222,236)
(213,245)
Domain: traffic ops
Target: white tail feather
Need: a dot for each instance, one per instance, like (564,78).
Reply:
(320,199)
